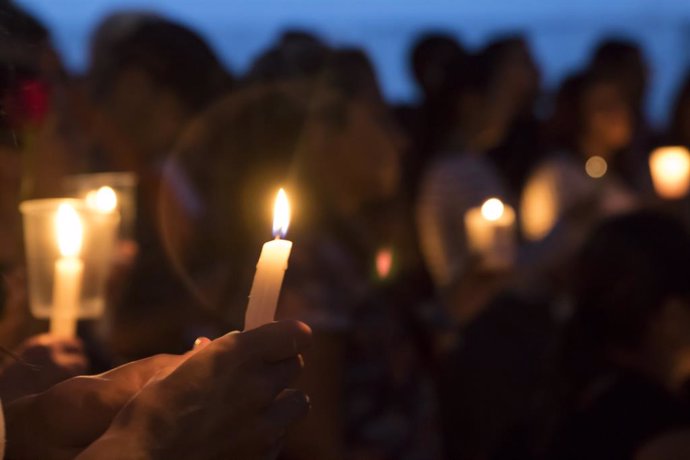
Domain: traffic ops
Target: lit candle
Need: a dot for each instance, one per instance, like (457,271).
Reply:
(69,270)
(102,200)
(270,270)
(670,169)
(491,234)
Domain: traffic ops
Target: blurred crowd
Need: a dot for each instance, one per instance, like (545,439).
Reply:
(579,347)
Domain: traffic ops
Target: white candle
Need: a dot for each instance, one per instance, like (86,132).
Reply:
(670,169)
(68,272)
(270,270)
(491,234)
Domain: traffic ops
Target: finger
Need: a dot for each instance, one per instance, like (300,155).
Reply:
(269,380)
(277,341)
(289,407)
(270,427)
(201,342)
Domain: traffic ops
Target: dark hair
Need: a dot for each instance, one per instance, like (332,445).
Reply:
(172,55)
(567,120)
(297,55)
(498,49)
(615,54)
(678,124)
(434,50)
(628,268)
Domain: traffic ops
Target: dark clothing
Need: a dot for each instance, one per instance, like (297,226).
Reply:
(627,411)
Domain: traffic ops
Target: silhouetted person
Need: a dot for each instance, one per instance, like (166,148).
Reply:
(462,177)
(624,62)
(431,59)
(297,55)
(149,77)
(514,85)
(679,121)
(628,344)
(577,182)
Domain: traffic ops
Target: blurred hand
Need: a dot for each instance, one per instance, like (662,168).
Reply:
(73,414)
(39,363)
(228,400)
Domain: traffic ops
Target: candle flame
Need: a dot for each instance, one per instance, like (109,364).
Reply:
(670,168)
(103,200)
(492,209)
(281,215)
(69,229)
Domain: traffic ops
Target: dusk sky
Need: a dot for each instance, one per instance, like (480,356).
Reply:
(561,32)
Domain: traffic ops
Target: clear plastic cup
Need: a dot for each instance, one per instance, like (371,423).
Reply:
(42,253)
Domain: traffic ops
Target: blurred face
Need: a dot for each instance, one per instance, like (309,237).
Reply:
(607,116)
(519,75)
(363,154)
(147,116)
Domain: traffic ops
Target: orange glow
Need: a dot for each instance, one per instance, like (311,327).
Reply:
(670,169)
(384,262)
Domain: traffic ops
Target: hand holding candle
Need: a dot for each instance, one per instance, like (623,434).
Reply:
(270,270)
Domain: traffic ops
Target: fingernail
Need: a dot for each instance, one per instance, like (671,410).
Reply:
(201,341)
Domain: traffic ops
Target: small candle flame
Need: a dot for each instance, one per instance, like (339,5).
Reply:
(492,209)
(69,229)
(103,200)
(281,215)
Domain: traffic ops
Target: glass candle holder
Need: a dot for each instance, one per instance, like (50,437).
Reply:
(89,247)
(103,191)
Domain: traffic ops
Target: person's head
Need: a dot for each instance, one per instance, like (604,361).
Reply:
(512,73)
(632,290)
(431,56)
(356,146)
(462,103)
(623,60)
(679,130)
(150,75)
(25,43)
(590,108)
(296,56)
